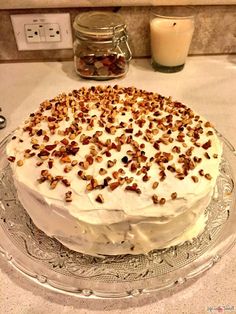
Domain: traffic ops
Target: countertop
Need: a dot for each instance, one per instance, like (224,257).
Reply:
(207,84)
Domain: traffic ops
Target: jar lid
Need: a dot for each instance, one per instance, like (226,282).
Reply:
(99,24)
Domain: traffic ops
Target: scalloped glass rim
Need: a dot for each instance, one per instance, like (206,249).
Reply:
(47,262)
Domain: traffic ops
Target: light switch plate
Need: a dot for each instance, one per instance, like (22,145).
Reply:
(42,31)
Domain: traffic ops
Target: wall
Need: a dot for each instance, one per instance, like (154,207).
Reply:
(30,4)
(215,32)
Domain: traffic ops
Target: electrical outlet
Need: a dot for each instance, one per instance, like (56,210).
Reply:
(32,33)
(52,32)
(42,31)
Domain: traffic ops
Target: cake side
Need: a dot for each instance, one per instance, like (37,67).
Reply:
(118,159)
(117,238)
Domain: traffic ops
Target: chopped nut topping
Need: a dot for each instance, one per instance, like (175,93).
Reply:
(41,180)
(162,175)
(46,138)
(67,169)
(53,184)
(189,151)
(155,185)
(208,176)
(84,164)
(195,179)
(50,147)
(209,133)
(162,201)
(34,141)
(11,158)
(207,124)
(72,136)
(89,159)
(133,167)
(133,188)
(174,196)
(154,120)
(65,159)
(108,154)
(44,173)
(20,163)
(156,145)
(146,178)
(65,182)
(196,159)
(106,181)
(102,171)
(111,163)
(89,187)
(207,145)
(114,185)
(201,172)
(115,174)
(121,171)
(111,130)
(98,159)
(68,196)
(74,163)
(207,155)
(176,149)
(155,199)
(65,141)
(180,176)
(43,153)
(50,163)
(99,199)
(94,183)
(125,159)
(36,146)
(171,168)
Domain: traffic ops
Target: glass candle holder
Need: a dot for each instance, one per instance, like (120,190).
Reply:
(171,35)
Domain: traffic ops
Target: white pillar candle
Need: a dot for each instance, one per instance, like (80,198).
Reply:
(170,40)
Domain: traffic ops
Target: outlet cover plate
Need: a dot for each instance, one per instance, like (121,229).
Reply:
(62,20)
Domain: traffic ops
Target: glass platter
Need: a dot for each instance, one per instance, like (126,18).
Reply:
(52,265)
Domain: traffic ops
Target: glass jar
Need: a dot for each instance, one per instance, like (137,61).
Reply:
(101,49)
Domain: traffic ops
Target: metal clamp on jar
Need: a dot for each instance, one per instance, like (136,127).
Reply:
(101,49)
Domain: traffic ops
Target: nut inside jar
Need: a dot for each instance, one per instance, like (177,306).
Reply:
(102,66)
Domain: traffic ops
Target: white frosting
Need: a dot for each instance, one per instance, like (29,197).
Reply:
(126,222)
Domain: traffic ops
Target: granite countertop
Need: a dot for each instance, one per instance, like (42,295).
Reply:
(207,84)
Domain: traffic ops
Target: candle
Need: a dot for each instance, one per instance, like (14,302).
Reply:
(170,41)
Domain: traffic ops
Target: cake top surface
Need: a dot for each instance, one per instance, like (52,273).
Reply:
(108,153)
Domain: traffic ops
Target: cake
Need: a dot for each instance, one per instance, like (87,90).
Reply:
(115,170)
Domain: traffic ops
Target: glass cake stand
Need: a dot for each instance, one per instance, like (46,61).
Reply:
(52,265)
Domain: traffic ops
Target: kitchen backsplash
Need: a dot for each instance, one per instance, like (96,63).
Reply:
(215,32)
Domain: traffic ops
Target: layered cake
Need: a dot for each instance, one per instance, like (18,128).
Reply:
(113,170)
